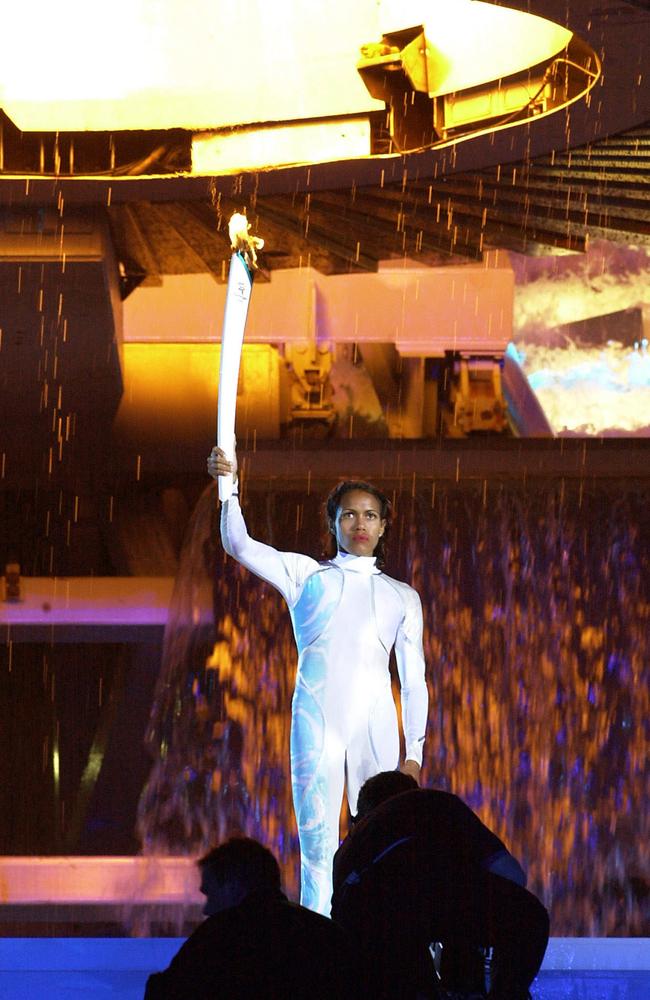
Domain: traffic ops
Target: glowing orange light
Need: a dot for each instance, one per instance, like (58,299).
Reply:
(297,69)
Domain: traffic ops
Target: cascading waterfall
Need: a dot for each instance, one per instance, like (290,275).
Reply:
(537,624)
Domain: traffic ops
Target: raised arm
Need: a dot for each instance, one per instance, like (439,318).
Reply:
(414,694)
(286,571)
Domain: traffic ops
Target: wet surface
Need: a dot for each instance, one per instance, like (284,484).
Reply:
(127,983)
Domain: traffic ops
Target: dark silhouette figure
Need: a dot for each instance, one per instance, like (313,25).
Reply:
(427,892)
(254,942)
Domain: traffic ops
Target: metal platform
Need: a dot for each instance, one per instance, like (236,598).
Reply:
(416,464)
(87,609)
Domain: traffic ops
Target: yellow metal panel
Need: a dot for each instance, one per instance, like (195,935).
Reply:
(170,393)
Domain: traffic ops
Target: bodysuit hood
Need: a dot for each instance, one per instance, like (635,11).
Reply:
(357,564)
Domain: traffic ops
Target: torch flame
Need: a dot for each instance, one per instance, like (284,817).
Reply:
(241,240)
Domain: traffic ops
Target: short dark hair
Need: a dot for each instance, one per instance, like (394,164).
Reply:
(244,861)
(333,503)
(381,787)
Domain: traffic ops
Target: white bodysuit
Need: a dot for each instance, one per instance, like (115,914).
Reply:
(347,615)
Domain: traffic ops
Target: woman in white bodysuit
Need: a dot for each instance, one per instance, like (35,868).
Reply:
(347,615)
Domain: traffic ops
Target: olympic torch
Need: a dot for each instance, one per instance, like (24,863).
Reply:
(243,264)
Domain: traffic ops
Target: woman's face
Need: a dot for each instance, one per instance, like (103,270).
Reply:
(359,524)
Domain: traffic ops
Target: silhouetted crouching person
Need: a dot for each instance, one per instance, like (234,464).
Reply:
(420,867)
(254,943)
